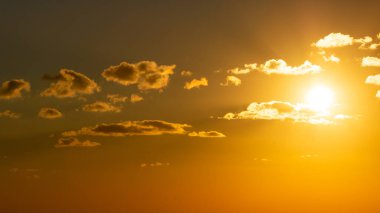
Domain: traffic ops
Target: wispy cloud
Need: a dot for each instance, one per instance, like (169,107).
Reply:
(9,114)
(207,134)
(130,128)
(101,106)
(75,142)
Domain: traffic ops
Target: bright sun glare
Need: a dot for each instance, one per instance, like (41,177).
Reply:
(320,98)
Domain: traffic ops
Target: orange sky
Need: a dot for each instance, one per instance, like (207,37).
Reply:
(189,106)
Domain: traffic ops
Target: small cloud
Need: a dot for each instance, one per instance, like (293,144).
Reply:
(68,84)
(278,110)
(207,134)
(9,114)
(74,142)
(370,62)
(154,164)
(195,83)
(231,80)
(186,73)
(334,40)
(136,98)
(279,66)
(364,42)
(244,70)
(373,79)
(147,75)
(13,88)
(130,128)
(101,106)
(115,98)
(332,58)
(50,113)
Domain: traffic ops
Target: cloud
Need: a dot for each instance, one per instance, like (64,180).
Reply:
(195,83)
(373,79)
(50,113)
(334,40)
(231,80)
(155,164)
(365,43)
(279,66)
(74,142)
(9,114)
(332,58)
(101,106)
(278,110)
(136,98)
(68,84)
(147,75)
(186,73)
(115,98)
(244,70)
(370,62)
(130,128)
(208,134)
(13,88)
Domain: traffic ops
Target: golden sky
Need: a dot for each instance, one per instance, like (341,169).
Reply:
(190,106)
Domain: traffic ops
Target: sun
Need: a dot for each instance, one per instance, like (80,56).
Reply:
(320,98)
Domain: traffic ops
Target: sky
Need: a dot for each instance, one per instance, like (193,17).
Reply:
(261,106)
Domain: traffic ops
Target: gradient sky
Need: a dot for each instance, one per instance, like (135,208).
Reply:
(189,106)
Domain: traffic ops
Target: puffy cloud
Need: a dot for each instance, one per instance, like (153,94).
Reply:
(115,98)
(9,114)
(69,83)
(231,80)
(373,79)
(13,88)
(208,134)
(75,142)
(147,75)
(129,128)
(101,106)
(244,70)
(370,62)
(341,40)
(334,40)
(195,83)
(50,113)
(186,73)
(278,110)
(279,66)
(332,58)
(136,98)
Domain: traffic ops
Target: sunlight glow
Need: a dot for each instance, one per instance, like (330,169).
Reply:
(320,98)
